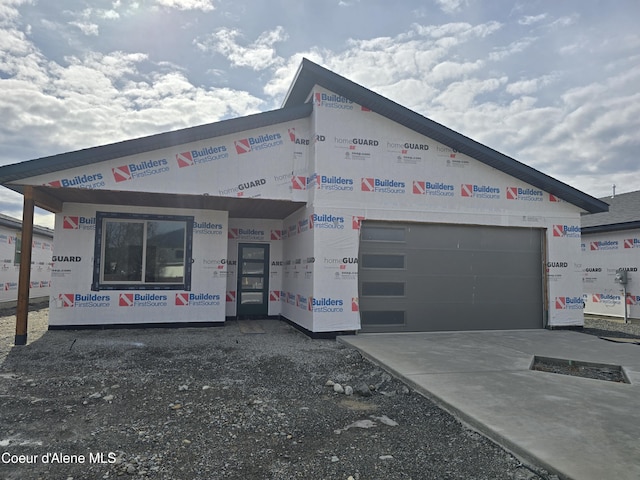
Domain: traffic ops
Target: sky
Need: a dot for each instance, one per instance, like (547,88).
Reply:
(553,84)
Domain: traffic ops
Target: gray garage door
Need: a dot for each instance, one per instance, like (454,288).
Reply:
(432,277)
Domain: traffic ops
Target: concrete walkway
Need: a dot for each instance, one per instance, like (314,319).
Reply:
(574,427)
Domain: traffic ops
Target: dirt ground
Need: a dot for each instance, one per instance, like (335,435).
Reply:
(217,403)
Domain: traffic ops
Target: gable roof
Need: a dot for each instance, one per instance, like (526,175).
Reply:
(623,214)
(295,106)
(310,74)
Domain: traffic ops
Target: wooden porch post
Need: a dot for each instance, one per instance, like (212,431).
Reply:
(22,309)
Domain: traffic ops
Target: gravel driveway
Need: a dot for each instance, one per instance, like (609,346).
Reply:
(217,403)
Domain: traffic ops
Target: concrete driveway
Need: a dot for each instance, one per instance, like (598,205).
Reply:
(577,428)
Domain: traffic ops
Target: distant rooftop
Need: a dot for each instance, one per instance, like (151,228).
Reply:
(623,214)
(11,222)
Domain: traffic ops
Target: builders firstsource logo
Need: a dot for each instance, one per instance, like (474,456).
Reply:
(326,220)
(479,191)
(79,300)
(633,299)
(76,222)
(569,303)
(134,171)
(333,101)
(382,185)
(142,300)
(327,304)
(632,243)
(606,298)
(332,182)
(203,155)
(89,181)
(567,231)
(196,299)
(524,194)
(261,142)
(433,188)
(246,234)
(207,228)
(603,245)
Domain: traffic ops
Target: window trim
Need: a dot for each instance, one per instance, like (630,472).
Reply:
(98,253)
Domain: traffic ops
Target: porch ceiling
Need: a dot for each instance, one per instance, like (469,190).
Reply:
(50,198)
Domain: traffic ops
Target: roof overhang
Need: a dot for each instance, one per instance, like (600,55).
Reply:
(79,158)
(614,227)
(52,199)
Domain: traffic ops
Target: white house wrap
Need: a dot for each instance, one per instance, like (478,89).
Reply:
(342,211)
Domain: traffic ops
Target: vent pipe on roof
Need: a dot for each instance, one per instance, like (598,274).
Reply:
(614,191)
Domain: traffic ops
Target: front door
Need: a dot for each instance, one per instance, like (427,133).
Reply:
(253,279)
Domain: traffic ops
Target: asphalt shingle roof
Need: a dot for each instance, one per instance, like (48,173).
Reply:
(623,214)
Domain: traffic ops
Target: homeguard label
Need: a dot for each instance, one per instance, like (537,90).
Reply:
(66,258)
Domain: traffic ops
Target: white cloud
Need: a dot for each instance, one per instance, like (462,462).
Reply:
(86,28)
(204,5)
(258,55)
(531,19)
(451,6)
(500,53)
(527,87)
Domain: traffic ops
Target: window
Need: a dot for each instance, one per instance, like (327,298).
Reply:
(144,252)
(382,234)
(17,254)
(382,261)
(382,289)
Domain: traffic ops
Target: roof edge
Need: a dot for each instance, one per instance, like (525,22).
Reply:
(78,158)
(612,227)
(310,74)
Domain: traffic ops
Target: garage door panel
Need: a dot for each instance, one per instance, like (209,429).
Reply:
(456,277)
(477,262)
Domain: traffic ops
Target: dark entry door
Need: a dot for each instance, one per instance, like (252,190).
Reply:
(253,279)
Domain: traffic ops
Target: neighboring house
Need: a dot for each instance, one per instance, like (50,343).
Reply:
(611,241)
(340,211)
(11,254)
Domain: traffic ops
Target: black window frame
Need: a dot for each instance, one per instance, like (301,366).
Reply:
(97,283)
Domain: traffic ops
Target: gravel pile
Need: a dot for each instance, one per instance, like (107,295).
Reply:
(219,404)
(603,327)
